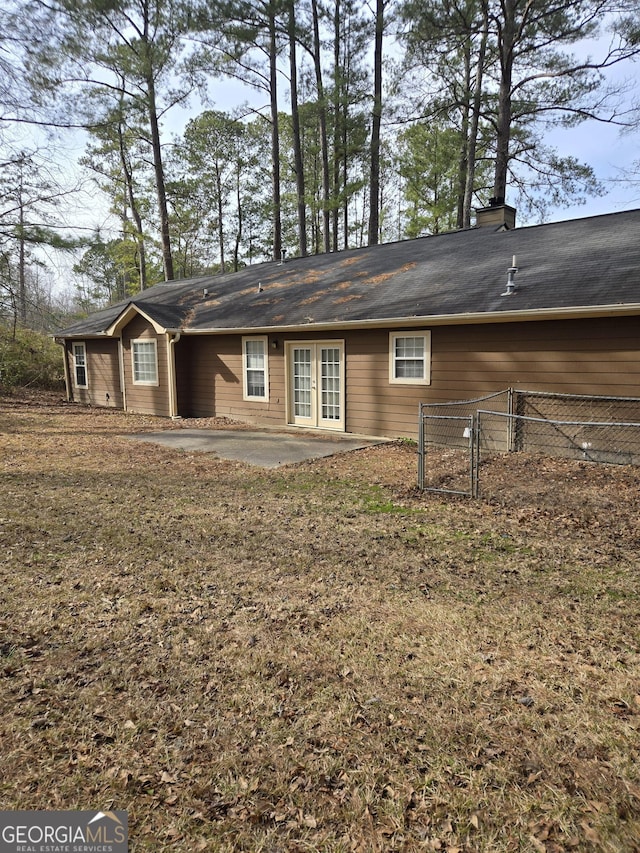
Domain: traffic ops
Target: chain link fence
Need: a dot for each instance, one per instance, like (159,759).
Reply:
(455,439)
(446,446)
(572,407)
(594,429)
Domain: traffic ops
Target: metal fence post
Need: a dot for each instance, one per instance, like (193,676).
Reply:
(420,447)
(472,455)
(511,443)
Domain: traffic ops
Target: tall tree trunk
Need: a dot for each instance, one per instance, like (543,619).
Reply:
(238,240)
(218,180)
(161,192)
(275,137)
(463,164)
(374,181)
(503,127)
(345,100)
(322,119)
(345,168)
(297,144)
(475,120)
(337,121)
(133,206)
(22,281)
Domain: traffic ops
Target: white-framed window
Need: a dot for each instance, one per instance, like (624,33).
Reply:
(255,368)
(80,365)
(144,362)
(410,358)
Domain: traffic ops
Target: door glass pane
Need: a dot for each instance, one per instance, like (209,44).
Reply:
(302,382)
(330,383)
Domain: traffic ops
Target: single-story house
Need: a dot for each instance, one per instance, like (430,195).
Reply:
(353,341)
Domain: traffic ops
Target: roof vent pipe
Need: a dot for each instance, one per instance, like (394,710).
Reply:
(511,275)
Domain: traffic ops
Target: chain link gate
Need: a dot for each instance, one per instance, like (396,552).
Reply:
(446,443)
(446,454)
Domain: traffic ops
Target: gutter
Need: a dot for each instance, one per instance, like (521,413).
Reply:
(67,374)
(171,367)
(475,318)
(576,312)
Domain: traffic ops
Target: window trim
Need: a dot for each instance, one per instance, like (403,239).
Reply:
(245,369)
(425,379)
(148,382)
(80,345)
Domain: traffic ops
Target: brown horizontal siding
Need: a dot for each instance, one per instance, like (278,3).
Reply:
(558,335)
(374,406)
(210,381)
(196,364)
(103,374)
(148,399)
(573,356)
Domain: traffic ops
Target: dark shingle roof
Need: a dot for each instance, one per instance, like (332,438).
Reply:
(581,263)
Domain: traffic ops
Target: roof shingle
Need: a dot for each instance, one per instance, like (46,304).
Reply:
(580,263)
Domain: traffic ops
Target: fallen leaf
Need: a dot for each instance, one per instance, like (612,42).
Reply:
(167,778)
(590,833)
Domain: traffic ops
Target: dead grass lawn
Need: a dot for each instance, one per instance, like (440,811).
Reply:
(317,658)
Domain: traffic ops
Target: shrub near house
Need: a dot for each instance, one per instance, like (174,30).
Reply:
(29,359)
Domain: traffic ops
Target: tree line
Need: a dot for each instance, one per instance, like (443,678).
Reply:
(368,122)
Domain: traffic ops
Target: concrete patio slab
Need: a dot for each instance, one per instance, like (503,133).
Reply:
(264,449)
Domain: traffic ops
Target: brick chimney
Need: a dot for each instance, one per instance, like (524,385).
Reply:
(497,215)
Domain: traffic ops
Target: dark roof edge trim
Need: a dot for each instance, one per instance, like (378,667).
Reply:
(573,313)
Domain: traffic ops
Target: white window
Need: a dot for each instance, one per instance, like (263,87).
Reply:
(144,359)
(255,371)
(80,365)
(410,358)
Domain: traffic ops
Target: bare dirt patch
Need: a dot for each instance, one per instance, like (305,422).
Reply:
(316,658)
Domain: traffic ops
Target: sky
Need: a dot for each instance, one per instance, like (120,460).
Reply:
(610,150)
(612,155)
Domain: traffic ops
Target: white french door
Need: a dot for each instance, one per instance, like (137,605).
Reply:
(316,384)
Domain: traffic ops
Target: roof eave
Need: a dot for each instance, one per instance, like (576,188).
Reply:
(467,318)
(81,336)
